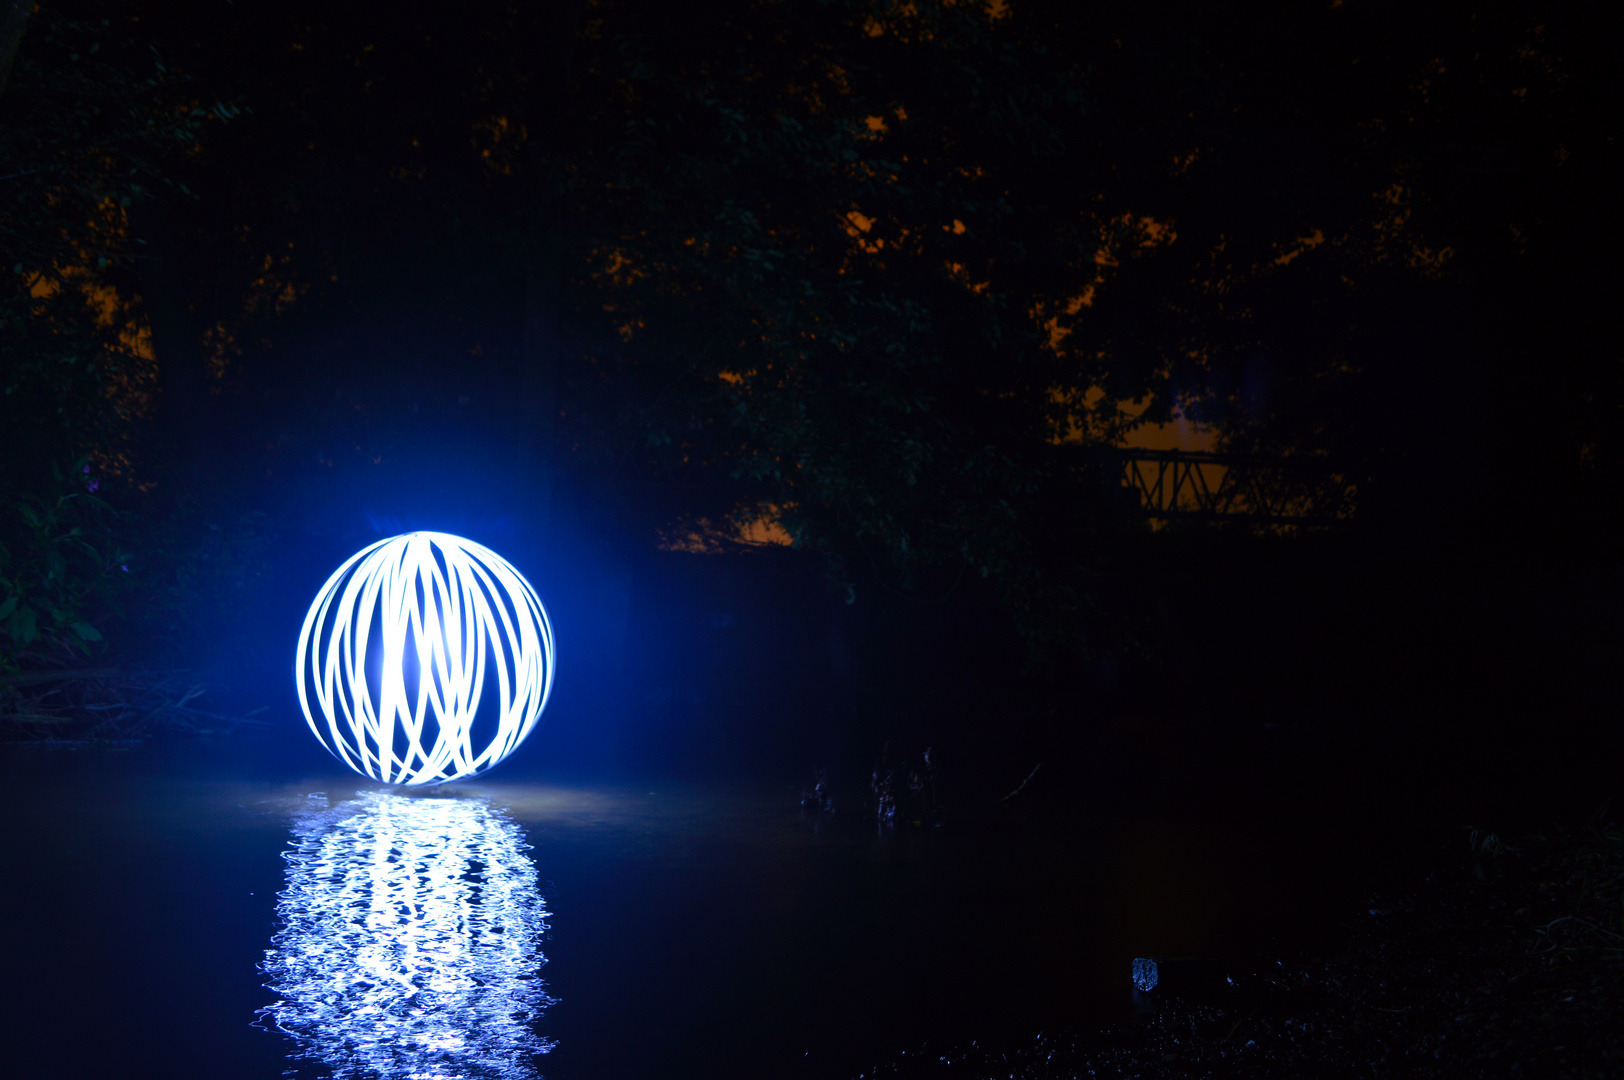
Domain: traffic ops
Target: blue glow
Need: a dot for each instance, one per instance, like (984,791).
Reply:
(434,617)
(408,942)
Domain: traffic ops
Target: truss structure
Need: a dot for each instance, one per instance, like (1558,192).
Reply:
(1169,484)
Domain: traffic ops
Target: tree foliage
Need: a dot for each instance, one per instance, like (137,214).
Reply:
(822,235)
(58,573)
(88,115)
(878,270)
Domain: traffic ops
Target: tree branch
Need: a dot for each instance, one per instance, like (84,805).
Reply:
(13,21)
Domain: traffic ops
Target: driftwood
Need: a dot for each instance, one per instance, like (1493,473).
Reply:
(108,704)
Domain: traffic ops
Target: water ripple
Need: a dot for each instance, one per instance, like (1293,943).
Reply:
(409,939)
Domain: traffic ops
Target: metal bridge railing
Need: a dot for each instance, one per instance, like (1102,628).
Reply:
(1171,484)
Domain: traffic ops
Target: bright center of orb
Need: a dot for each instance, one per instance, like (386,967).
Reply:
(399,648)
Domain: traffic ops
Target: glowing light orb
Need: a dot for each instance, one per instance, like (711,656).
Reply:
(408,941)
(398,649)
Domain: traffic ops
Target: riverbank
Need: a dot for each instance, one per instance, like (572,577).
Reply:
(1509,962)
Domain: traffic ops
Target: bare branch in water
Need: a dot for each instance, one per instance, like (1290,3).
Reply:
(1023,784)
(95,704)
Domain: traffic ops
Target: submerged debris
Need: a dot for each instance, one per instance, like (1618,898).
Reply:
(816,799)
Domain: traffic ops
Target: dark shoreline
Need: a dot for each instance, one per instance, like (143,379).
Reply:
(1510,962)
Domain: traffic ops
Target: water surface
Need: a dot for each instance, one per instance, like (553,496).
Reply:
(179,914)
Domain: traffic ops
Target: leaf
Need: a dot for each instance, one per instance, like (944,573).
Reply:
(86,631)
(23,626)
(8,607)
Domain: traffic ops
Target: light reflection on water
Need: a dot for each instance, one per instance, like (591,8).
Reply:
(408,941)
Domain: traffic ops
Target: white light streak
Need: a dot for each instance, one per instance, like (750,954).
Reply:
(408,942)
(396,651)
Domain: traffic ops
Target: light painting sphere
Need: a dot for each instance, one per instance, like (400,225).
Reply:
(400,648)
